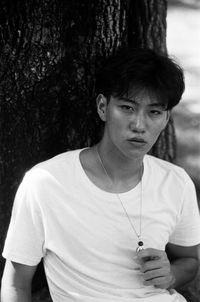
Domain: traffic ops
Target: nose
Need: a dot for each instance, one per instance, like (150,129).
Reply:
(138,123)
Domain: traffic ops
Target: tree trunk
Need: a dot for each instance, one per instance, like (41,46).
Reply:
(50,50)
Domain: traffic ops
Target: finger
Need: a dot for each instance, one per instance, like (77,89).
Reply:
(150,253)
(154,265)
(150,265)
(161,282)
(163,272)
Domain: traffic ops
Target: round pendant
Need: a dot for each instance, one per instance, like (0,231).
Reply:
(140,246)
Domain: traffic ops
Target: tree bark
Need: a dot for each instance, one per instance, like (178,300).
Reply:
(147,24)
(50,50)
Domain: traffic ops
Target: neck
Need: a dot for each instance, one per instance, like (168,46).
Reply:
(119,167)
(111,164)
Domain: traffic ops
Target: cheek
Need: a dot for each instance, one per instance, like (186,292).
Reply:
(116,125)
(157,129)
(114,117)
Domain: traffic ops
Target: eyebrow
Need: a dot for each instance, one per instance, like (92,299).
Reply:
(157,104)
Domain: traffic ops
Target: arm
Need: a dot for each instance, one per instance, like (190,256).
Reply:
(16,282)
(184,263)
(170,269)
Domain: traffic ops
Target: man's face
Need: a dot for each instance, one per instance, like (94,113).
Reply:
(132,123)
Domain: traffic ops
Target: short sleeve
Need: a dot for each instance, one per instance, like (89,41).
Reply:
(187,231)
(25,237)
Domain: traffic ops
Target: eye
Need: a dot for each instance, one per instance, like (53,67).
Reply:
(127,108)
(156,112)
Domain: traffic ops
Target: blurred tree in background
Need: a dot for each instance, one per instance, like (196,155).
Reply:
(49,53)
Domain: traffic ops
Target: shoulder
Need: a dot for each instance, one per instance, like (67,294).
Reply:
(58,160)
(164,169)
(58,168)
(44,183)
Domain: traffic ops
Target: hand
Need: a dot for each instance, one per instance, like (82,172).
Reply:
(156,268)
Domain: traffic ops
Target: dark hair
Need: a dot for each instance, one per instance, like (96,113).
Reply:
(156,73)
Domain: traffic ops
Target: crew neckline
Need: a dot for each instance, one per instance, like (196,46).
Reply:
(134,192)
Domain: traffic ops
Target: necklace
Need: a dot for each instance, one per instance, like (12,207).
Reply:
(139,235)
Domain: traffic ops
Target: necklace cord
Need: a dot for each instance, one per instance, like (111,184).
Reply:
(140,243)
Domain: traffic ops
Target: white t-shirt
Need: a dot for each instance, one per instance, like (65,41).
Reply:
(84,237)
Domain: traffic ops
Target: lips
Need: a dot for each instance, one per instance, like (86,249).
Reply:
(137,140)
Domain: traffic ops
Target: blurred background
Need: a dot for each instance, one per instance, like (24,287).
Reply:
(183,42)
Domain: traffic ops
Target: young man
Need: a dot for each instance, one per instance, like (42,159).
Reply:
(110,222)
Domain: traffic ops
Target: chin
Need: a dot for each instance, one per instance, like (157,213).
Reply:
(139,152)
(135,154)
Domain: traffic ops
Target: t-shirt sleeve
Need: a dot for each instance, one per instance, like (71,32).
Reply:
(25,237)
(187,231)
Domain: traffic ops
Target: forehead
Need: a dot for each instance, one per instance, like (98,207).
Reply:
(143,96)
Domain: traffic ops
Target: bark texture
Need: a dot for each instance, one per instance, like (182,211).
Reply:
(49,51)
(147,24)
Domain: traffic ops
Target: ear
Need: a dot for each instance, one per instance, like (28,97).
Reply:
(102,103)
